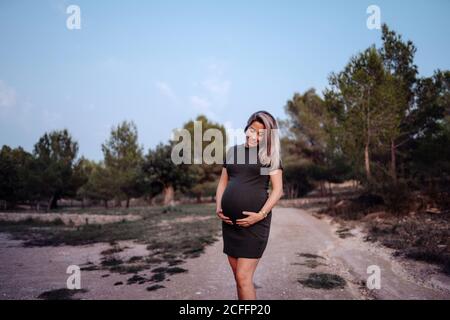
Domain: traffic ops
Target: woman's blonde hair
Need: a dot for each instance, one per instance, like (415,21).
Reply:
(269,151)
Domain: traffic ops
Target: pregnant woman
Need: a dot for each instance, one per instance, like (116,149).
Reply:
(242,199)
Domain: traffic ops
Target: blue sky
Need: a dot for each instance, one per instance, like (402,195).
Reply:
(161,63)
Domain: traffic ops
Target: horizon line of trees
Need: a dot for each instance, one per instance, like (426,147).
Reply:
(53,171)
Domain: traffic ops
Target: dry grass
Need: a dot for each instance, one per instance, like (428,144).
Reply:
(170,234)
(424,237)
(422,233)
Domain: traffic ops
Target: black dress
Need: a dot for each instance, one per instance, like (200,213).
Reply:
(247,190)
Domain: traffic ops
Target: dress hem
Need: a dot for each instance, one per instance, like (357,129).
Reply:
(242,256)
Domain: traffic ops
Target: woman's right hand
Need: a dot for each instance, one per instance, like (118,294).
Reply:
(224,218)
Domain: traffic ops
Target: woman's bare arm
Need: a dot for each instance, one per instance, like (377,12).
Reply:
(219,193)
(276,178)
(221,188)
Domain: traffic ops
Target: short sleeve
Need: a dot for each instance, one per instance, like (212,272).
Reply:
(278,166)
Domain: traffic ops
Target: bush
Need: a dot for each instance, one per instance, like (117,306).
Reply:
(396,195)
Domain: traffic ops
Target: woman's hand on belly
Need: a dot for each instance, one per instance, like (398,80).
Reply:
(253,217)
(224,218)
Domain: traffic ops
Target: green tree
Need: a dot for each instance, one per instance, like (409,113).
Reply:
(363,102)
(311,137)
(55,153)
(123,159)
(15,170)
(428,157)
(398,59)
(82,172)
(98,185)
(204,175)
(159,169)
(306,138)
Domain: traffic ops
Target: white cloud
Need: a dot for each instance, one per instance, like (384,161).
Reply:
(217,87)
(203,106)
(214,90)
(8,96)
(210,93)
(199,103)
(166,90)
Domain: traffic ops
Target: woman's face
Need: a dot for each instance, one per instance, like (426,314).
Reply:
(255,133)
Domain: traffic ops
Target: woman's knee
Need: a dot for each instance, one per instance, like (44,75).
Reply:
(243,278)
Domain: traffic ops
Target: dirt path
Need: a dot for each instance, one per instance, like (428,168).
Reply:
(299,244)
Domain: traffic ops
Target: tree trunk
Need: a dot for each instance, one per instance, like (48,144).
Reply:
(367,161)
(393,162)
(50,203)
(128,203)
(366,147)
(53,203)
(331,202)
(322,191)
(105,202)
(169,194)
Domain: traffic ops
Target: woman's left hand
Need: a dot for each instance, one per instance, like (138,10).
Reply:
(253,217)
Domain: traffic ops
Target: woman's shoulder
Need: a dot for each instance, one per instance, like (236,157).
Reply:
(274,166)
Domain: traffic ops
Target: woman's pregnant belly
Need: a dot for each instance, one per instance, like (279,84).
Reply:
(239,197)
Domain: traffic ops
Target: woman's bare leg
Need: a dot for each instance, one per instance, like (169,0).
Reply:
(244,278)
(233,264)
